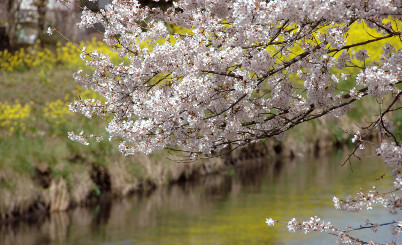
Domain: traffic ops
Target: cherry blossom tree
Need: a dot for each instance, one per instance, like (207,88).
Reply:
(239,71)
(230,79)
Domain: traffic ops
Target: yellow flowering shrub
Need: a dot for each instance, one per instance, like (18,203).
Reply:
(67,55)
(24,59)
(14,117)
(57,112)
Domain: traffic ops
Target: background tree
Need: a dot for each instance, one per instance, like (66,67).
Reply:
(41,6)
(12,9)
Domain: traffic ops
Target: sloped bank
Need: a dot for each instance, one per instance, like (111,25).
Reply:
(23,196)
(44,191)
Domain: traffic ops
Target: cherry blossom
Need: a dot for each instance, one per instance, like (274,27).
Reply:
(49,31)
(270,222)
(227,81)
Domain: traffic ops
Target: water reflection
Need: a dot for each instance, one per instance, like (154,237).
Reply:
(217,209)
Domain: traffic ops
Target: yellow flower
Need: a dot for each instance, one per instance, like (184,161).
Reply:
(57,112)
(14,117)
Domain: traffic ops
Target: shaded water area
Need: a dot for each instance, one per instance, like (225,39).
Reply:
(228,208)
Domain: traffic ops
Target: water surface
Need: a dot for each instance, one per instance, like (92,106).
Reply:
(228,208)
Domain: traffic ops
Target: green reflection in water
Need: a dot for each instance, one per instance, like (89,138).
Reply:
(219,209)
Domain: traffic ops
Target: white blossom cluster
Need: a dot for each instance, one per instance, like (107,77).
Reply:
(270,222)
(314,224)
(364,201)
(230,79)
(49,31)
(351,204)
(356,137)
(83,139)
(344,238)
(392,155)
(398,181)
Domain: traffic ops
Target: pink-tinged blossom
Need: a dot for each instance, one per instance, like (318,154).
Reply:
(293,225)
(344,76)
(374,77)
(396,229)
(355,94)
(344,238)
(362,55)
(315,224)
(49,31)
(388,49)
(83,139)
(392,155)
(356,137)
(365,200)
(398,181)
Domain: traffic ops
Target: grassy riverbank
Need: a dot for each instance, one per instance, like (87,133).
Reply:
(41,169)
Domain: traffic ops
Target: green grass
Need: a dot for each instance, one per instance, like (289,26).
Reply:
(44,141)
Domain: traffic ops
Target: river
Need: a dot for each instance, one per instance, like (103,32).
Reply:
(228,208)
